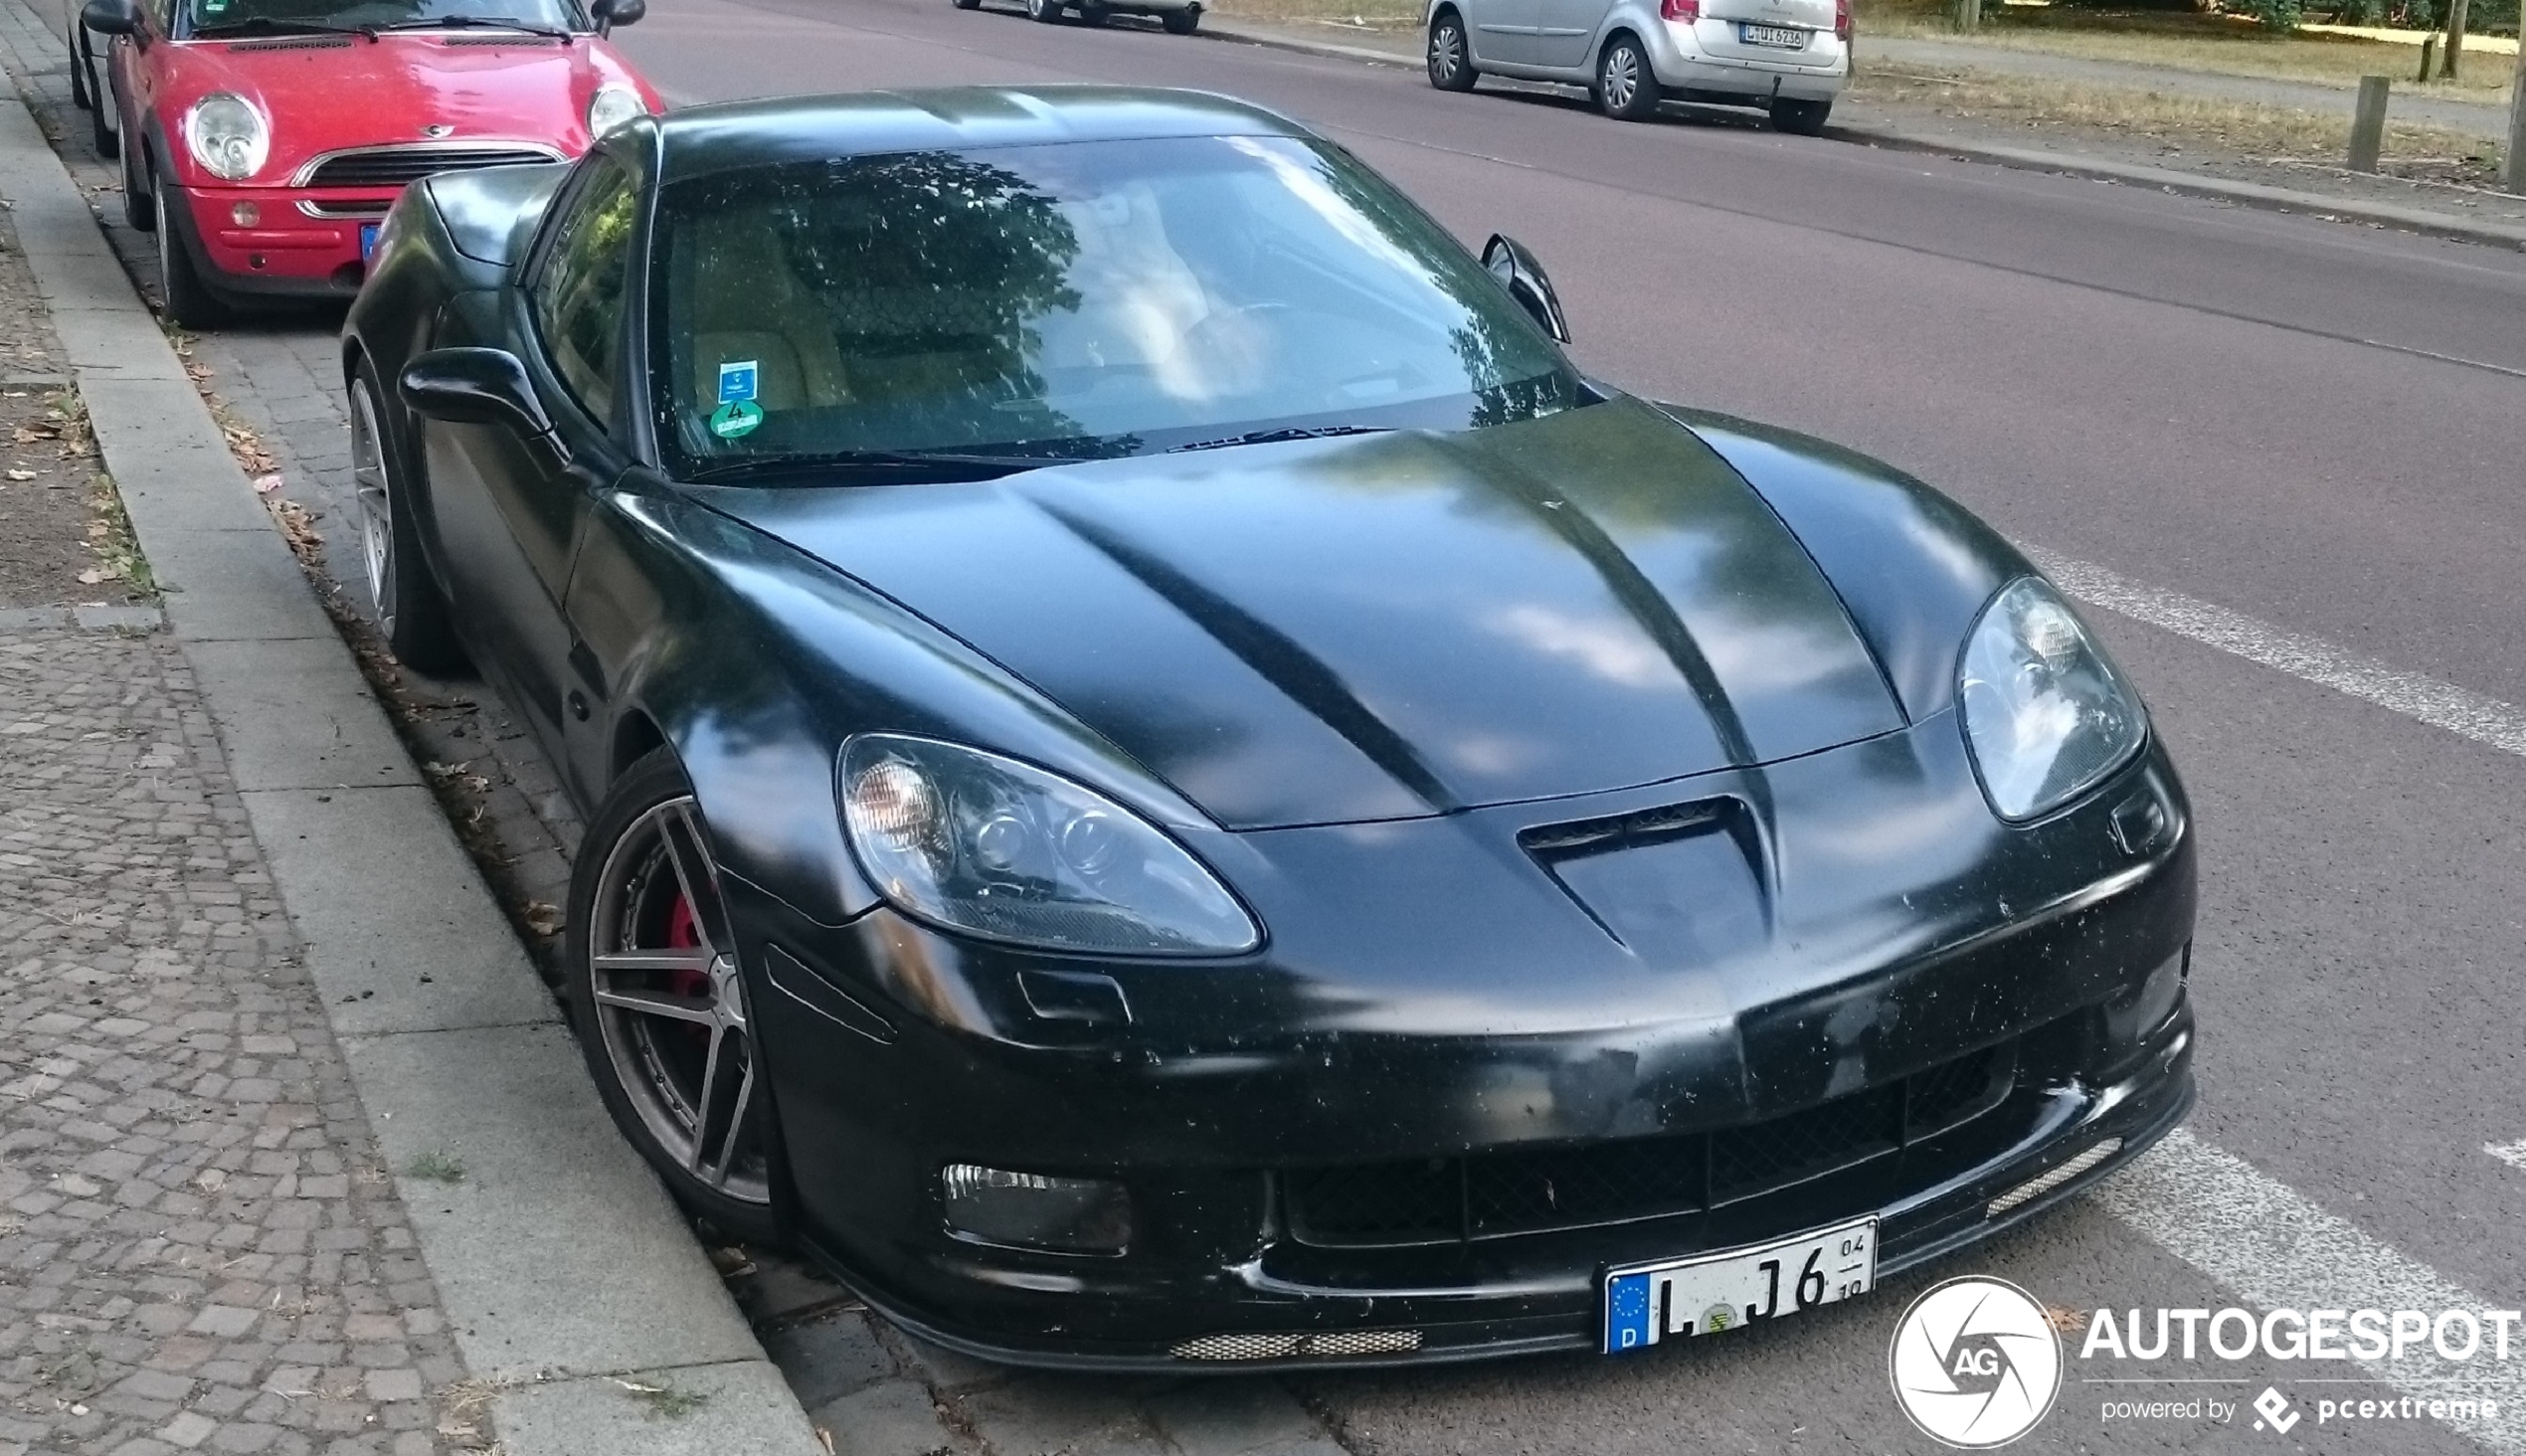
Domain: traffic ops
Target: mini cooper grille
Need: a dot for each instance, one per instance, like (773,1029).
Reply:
(295,43)
(1494,1195)
(1328,1343)
(395,166)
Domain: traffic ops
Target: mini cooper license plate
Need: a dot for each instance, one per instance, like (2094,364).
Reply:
(1778,36)
(1709,1293)
(368,240)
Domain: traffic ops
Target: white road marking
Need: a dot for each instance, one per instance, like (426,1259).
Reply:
(2485,720)
(2275,1249)
(2512,1154)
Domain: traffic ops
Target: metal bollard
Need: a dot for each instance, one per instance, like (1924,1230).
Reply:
(2367,123)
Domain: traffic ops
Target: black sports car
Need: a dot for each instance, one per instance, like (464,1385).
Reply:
(1169,784)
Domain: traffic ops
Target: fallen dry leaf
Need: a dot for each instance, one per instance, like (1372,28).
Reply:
(266,485)
(21,474)
(543,919)
(94,576)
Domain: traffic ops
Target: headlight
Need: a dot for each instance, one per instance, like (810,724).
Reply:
(229,135)
(981,843)
(2044,711)
(612,107)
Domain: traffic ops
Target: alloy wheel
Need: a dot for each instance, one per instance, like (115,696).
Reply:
(1621,80)
(373,501)
(671,1009)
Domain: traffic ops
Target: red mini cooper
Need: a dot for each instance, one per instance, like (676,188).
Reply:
(262,141)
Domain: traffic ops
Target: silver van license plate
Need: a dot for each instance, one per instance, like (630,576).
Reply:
(1778,36)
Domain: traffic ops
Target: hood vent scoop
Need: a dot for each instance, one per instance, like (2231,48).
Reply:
(295,43)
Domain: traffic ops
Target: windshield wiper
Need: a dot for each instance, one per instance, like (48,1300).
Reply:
(969,467)
(471,22)
(265,24)
(1275,437)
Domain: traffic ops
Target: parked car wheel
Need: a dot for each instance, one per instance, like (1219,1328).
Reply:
(968,4)
(410,614)
(1451,61)
(1182,22)
(139,203)
(1626,88)
(189,301)
(1046,11)
(659,1008)
(81,97)
(1802,118)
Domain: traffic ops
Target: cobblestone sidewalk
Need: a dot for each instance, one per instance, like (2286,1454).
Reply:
(198,1248)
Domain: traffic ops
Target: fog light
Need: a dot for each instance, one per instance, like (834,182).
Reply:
(246,214)
(1071,1215)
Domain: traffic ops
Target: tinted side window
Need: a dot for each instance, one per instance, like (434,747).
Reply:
(579,291)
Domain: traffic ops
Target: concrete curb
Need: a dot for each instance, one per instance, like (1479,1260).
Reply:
(2246,194)
(573,1289)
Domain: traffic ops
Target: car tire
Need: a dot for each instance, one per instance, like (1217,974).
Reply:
(1045,12)
(1450,55)
(139,203)
(968,4)
(1626,88)
(1182,22)
(412,613)
(1800,119)
(188,302)
(80,97)
(663,1026)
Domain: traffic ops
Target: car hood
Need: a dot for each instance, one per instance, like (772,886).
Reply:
(1383,626)
(324,94)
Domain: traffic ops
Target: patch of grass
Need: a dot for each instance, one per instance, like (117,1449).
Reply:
(436,1165)
(2179,121)
(2218,45)
(663,1402)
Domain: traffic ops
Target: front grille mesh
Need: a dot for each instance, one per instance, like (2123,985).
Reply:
(1330,1344)
(1497,1194)
(397,167)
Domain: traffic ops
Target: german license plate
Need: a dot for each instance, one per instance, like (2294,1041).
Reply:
(368,240)
(1709,1293)
(1779,37)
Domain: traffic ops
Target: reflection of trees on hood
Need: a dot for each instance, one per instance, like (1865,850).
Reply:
(934,270)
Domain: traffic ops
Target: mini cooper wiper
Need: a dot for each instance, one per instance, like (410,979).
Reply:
(1275,437)
(265,24)
(474,22)
(958,465)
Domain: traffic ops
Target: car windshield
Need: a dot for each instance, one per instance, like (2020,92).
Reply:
(213,17)
(1071,300)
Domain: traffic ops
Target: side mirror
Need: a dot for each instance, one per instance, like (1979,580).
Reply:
(612,13)
(1518,272)
(475,387)
(111,17)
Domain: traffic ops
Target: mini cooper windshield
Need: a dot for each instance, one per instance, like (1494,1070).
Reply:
(1012,306)
(215,18)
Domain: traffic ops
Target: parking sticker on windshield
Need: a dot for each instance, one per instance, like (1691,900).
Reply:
(735,418)
(736,381)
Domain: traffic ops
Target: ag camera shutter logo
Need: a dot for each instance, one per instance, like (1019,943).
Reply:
(1975,1364)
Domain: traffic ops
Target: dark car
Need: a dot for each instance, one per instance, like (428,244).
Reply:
(1169,784)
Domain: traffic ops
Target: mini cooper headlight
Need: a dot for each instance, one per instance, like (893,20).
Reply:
(229,135)
(2044,711)
(991,847)
(612,105)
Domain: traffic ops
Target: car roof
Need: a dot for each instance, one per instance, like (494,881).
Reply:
(699,140)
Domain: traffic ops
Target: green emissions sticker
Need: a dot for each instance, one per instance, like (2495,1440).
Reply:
(735,418)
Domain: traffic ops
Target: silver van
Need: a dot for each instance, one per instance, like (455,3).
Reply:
(1790,57)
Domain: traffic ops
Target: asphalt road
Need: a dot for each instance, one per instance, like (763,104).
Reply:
(2314,425)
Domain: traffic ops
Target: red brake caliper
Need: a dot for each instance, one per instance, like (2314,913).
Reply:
(682,933)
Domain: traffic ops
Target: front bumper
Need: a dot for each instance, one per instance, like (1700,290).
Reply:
(301,243)
(2053,957)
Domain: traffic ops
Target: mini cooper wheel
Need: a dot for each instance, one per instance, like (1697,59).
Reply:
(660,1009)
(1626,88)
(188,300)
(1451,61)
(1182,22)
(410,614)
(968,4)
(1047,12)
(139,203)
